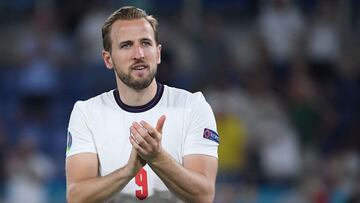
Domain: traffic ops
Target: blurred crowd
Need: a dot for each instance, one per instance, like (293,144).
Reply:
(282,76)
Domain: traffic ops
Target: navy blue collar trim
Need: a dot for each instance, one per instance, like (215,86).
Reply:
(142,108)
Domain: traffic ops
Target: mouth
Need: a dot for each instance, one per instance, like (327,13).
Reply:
(140,70)
(139,67)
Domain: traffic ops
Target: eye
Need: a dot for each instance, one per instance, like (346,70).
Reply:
(125,46)
(146,44)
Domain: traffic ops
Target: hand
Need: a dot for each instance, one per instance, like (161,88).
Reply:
(146,140)
(135,163)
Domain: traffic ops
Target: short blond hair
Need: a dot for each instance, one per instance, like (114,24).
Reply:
(125,13)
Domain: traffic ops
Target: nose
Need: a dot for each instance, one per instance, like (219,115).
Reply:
(139,53)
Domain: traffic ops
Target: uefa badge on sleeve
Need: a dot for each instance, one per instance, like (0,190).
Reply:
(69,142)
(211,135)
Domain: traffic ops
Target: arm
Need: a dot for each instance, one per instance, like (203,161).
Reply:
(194,181)
(83,183)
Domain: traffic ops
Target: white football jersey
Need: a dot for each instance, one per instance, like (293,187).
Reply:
(101,125)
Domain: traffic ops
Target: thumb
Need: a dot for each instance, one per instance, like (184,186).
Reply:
(160,123)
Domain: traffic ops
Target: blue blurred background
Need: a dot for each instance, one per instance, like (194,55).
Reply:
(282,77)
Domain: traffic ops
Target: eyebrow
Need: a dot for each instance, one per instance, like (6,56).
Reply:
(145,39)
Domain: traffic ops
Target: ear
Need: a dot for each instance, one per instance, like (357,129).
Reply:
(158,53)
(107,59)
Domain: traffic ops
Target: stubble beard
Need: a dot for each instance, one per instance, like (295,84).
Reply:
(136,84)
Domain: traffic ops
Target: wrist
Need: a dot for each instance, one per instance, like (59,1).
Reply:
(129,171)
(158,158)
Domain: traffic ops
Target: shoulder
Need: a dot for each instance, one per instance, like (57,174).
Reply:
(184,97)
(95,103)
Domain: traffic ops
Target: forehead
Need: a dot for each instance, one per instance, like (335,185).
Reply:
(123,30)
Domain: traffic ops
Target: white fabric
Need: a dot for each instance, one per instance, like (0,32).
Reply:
(281,30)
(99,125)
(323,43)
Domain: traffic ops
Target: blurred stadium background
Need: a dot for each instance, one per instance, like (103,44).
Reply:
(282,77)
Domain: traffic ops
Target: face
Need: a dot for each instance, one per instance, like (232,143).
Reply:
(134,53)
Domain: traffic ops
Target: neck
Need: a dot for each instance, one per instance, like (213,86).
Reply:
(132,97)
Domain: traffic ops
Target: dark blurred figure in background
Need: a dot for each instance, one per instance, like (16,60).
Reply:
(323,43)
(281,27)
(28,173)
(3,154)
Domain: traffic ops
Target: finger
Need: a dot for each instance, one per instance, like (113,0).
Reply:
(140,128)
(133,137)
(143,133)
(134,143)
(137,137)
(143,138)
(160,123)
(149,128)
(136,146)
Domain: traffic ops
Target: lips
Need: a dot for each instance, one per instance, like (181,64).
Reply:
(140,70)
(139,66)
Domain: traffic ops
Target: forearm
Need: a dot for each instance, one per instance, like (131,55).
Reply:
(188,185)
(100,188)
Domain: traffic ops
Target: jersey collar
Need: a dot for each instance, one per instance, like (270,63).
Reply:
(142,108)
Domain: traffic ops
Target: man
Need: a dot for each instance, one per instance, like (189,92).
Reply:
(143,141)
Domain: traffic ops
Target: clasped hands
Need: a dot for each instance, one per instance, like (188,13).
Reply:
(146,140)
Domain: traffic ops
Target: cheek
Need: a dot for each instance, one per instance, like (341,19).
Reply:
(121,59)
(152,55)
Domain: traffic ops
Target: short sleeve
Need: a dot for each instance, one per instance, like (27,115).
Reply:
(202,136)
(79,138)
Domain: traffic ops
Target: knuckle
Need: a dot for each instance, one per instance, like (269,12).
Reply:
(150,130)
(141,141)
(136,147)
(146,136)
